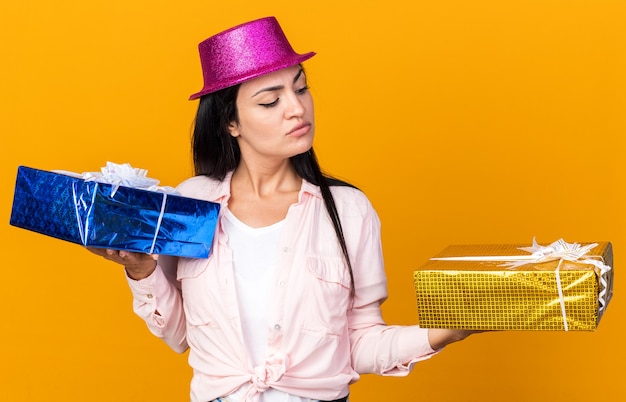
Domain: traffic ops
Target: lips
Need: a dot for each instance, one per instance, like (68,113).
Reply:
(300,130)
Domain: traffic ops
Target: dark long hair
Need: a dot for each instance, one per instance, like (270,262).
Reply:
(216,152)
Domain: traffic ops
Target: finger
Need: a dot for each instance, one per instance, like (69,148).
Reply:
(97,251)
(129,257)
(109,254)
(122,257)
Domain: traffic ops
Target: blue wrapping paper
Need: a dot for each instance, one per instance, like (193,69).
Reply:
(122,218)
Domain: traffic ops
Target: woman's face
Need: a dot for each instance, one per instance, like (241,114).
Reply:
(275,116)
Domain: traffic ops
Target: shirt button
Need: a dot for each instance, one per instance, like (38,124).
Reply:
(149,296)
(281,283)
(286,249)
(277,327)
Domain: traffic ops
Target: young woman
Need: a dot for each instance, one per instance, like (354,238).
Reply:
(287,307)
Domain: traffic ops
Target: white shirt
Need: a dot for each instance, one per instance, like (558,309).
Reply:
(254,262)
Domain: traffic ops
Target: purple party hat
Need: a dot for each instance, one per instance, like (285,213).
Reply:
(244,52)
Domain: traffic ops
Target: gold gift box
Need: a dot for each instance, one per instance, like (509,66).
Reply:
(490,295)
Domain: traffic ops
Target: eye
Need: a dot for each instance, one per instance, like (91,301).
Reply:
(271,104)
(302,90)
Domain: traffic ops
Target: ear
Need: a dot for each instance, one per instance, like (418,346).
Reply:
(233,129)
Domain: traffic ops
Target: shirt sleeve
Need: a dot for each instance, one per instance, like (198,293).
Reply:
(378,348)
(157,300)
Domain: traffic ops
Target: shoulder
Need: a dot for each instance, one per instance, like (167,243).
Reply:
(350,200)
(356,213)
(203,187)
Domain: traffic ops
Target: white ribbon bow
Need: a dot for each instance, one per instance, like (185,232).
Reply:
(125,175)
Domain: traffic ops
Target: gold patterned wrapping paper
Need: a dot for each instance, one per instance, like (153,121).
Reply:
(492,295)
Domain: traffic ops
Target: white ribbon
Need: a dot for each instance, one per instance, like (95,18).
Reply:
(122,175)
(83,229)
(119,175)
(559,250)
(158,225)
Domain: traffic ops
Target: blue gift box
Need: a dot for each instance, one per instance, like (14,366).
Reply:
(102,215)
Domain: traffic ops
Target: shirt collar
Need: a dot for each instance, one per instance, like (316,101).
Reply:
(310,188)
(219,191)
(222,189)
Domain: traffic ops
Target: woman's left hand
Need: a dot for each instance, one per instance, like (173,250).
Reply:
(439,337)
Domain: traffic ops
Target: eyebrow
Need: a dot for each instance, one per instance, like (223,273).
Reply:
(279,87)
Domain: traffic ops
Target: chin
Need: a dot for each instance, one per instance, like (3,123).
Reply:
(304,148)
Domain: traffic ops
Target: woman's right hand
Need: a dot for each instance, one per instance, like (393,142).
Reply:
(138,265)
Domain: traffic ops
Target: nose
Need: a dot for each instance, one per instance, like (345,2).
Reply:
(295,107)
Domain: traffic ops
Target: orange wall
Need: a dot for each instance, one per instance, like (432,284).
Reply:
(464,121)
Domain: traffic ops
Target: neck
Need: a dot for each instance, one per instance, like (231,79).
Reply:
(265,180)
